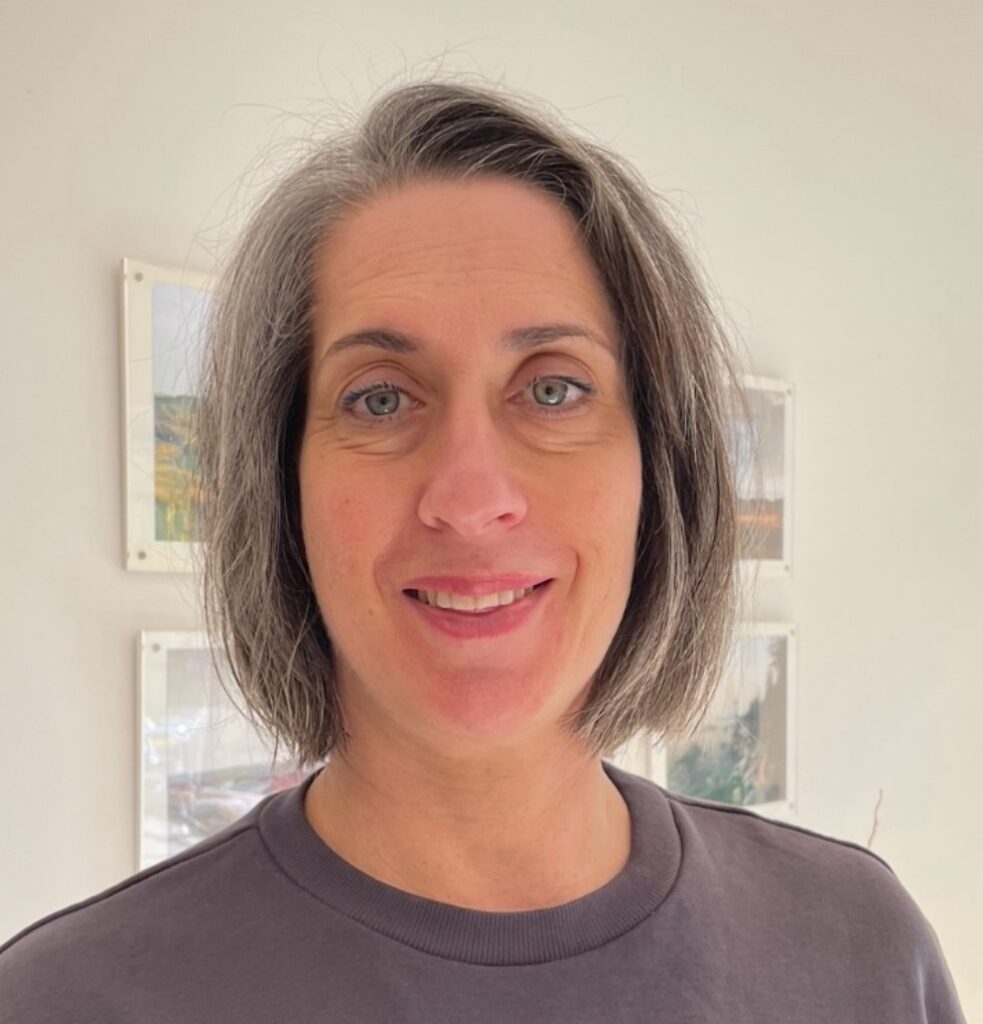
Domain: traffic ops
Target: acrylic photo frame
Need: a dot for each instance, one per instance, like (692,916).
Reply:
(202,763)
(163,312)
(744,752)
(765,497)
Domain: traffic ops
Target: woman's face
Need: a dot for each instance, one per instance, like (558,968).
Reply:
(458,464)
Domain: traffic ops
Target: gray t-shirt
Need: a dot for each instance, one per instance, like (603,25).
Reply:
(719,915)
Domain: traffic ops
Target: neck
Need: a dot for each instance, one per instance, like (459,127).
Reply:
(482,836)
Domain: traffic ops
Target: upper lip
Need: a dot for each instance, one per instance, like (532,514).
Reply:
(476,586)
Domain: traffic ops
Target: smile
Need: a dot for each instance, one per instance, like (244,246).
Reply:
(480,622)
(471,605)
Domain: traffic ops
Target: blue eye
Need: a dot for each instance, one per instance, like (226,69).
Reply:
(390,391)
(383,387)
(558,408)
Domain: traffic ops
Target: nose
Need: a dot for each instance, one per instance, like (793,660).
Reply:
(470,486)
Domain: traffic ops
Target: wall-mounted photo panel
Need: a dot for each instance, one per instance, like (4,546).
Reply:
(163,314)
(765,489)
(744,751)
(203,765)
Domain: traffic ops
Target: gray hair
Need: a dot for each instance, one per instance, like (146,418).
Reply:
(670,649)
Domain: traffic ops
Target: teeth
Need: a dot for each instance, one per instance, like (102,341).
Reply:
(459,603)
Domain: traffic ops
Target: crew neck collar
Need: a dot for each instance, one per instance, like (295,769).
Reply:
(491,938)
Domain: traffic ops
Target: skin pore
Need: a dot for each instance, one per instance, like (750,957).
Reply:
(459,784)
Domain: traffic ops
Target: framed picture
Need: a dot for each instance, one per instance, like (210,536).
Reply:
(765,498)
(202,764)
(163,315)
(744,751)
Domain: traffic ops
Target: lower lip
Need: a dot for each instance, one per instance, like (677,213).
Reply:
(480,625)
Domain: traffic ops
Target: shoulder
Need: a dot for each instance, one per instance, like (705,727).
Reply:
(71,963)
(839,889)
(716,823)
(832,901)
(745,846)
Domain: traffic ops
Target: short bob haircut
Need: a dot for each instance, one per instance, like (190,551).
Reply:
(671,646)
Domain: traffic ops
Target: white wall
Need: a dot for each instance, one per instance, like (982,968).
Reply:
(828,158)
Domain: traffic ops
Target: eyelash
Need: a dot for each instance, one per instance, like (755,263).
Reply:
(353,396)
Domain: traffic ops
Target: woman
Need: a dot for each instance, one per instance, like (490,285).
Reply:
(471,526)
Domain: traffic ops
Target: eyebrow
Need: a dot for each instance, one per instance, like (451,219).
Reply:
(517,339)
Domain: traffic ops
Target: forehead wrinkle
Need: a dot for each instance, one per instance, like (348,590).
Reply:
(451,292)
(476,287)
(453,267)
(382,247)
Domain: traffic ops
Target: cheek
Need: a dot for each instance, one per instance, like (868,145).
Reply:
(596,515)
(610,546)
(337,526)
(327,517)
(350,521)
(338,538)
(607,506)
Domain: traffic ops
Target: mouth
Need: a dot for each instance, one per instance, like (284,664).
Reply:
(420,596)
(485,624)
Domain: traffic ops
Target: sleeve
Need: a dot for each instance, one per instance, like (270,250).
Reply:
(925,989)
(940,1002)
(41,982)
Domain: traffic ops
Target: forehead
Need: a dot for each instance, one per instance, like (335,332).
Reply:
(490,244)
